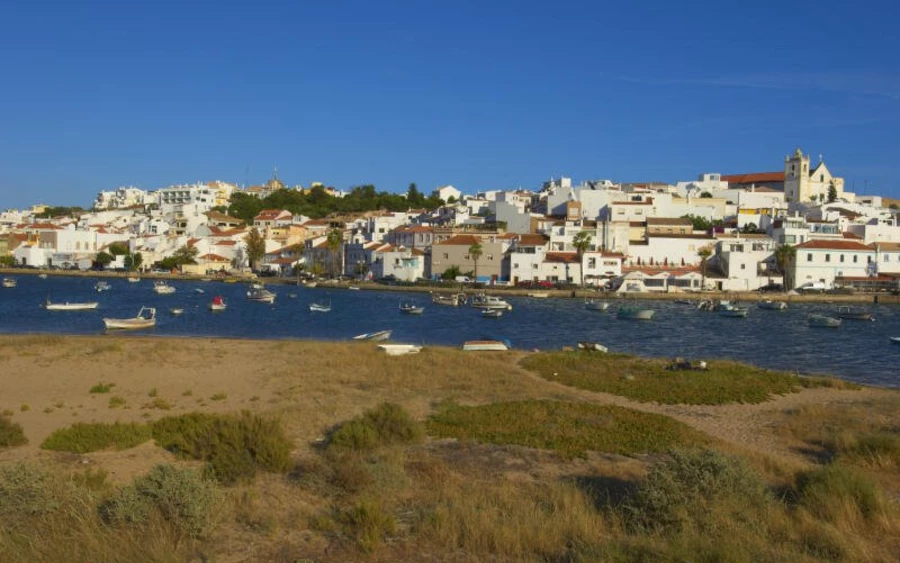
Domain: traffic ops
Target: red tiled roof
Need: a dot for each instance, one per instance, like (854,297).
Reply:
(754,178)
(461,240)
(533,240)
(847,234)
(213,258)
(561,257)
(833,245)
(225,243)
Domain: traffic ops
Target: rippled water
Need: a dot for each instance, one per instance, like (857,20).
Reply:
(857,351)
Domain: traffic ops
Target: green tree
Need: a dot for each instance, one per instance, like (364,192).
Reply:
(186,255)
(7,261)
(581,242)
(476,251)
(334,241)
(103,259)
(256,247)
(118,249)
(832,192)
(704,254)
(451,273)
(414,196)
(750,229)
(784,257)
(317,268)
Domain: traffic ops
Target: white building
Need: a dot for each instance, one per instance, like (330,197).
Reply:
(125,196)
(448,193)
(824,260)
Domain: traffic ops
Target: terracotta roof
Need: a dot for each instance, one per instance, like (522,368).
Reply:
(192,241)
(833,245)
(533,240)
(214,258)
(850,235)
(225,243)
(461,240)
(561,257)
(754,178)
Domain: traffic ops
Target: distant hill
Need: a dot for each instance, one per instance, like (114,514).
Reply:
(887,202)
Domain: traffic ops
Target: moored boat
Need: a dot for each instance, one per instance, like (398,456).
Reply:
(449,299)
(411,309)
(895,339)
(824,321)
(218,304)
(261,295)
(85,306)
(176,311)
(145,318)
(854,314)
(9,282)
(492,313)
(101,286)
(163,288)
(133,279)
(538,294)
(771,305)
(484,301)
(399,349)
(633,313)
(379,336)
(729,310)
(485,346)
(320,307)
(595,305)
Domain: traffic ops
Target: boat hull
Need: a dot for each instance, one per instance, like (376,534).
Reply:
(399,349)
(635,315)
(71,306)
(485,346)
(379,336)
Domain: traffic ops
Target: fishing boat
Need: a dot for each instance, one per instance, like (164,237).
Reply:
(484,301)
(320,307)
(163,288)
(218,304)
(399,349)
(492,313)
(199,290)
(895,339)
(42,276)
(592,347)
(102,286)
(770,305)
(633,313)
(595,305)
(824,321)
(538,294)
(133,279)
(449,299)
(411,309)
(486,346)
(261,295)
(85,306)
(9,282)
(854,314)
(145,318)
(176,311)
(379,336)
(729,310)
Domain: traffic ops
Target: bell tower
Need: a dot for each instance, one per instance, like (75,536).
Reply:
(796,177)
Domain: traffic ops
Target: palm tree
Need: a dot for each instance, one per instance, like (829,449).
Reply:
(581,242)
(784,257)
(333,241)
(476,251)
(704,254)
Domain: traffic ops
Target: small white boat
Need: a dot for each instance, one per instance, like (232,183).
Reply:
(451,299)
(379,336)
(485,346)
(9,282)
(399,349)
(592,347)
(133,279)
(411,309)
(320,307)
(895,339)
(145,318)
(729,310)
(42,276)
(176,311)
(218,304)
(634,313)
(823,321)
(595,305)
(85,306)
(353,288)
(854,314)
(538,294)
(261,295)
(484,301)
(772,305)
(492,313)
(163,288)
(199,290)
(101,286)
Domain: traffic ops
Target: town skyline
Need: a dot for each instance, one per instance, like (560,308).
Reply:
(481,97)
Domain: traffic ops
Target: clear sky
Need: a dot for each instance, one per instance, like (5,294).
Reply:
(479,94)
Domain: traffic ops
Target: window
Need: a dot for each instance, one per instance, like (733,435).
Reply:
(887,257)
(809,257)
(592,263)
(516,265)
(828,257)
(743,266)
(842,257)
(446,256)
(855,258)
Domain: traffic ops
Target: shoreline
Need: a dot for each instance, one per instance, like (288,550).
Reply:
(737,296)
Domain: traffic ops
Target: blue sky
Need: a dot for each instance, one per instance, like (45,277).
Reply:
(478,94)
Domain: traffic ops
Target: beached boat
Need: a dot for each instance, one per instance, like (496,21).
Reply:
(145,318)
(9,282)
(492,313)
(824,321)
(399,349)
(411,309)
(854,314)
(84,306)
(485,346)
(629,312)
(320,307)
(449,299)
(592,347)
(163,288)
(102,286)
(770,305)
(595,305)
(261,295)
(729,310)
(218,304)
(484,301)
(379,336)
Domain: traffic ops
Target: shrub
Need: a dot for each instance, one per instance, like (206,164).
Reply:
(25,489)
(116,402)
(182,497)
(691,488)
(234,447)
(102,387)
(384,425)
(830,492)
(368,523)
(91,437)
(11,433)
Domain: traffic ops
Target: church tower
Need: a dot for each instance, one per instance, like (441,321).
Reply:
(796,177)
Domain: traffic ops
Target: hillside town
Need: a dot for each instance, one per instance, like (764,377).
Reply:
(795,228)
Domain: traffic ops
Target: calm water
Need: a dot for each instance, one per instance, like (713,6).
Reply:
(857,351)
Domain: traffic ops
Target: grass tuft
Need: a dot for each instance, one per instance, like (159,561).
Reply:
(91,437)
(385,425)
(102,387)
(11,433)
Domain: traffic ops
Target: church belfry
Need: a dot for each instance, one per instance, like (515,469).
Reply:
(796,177)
